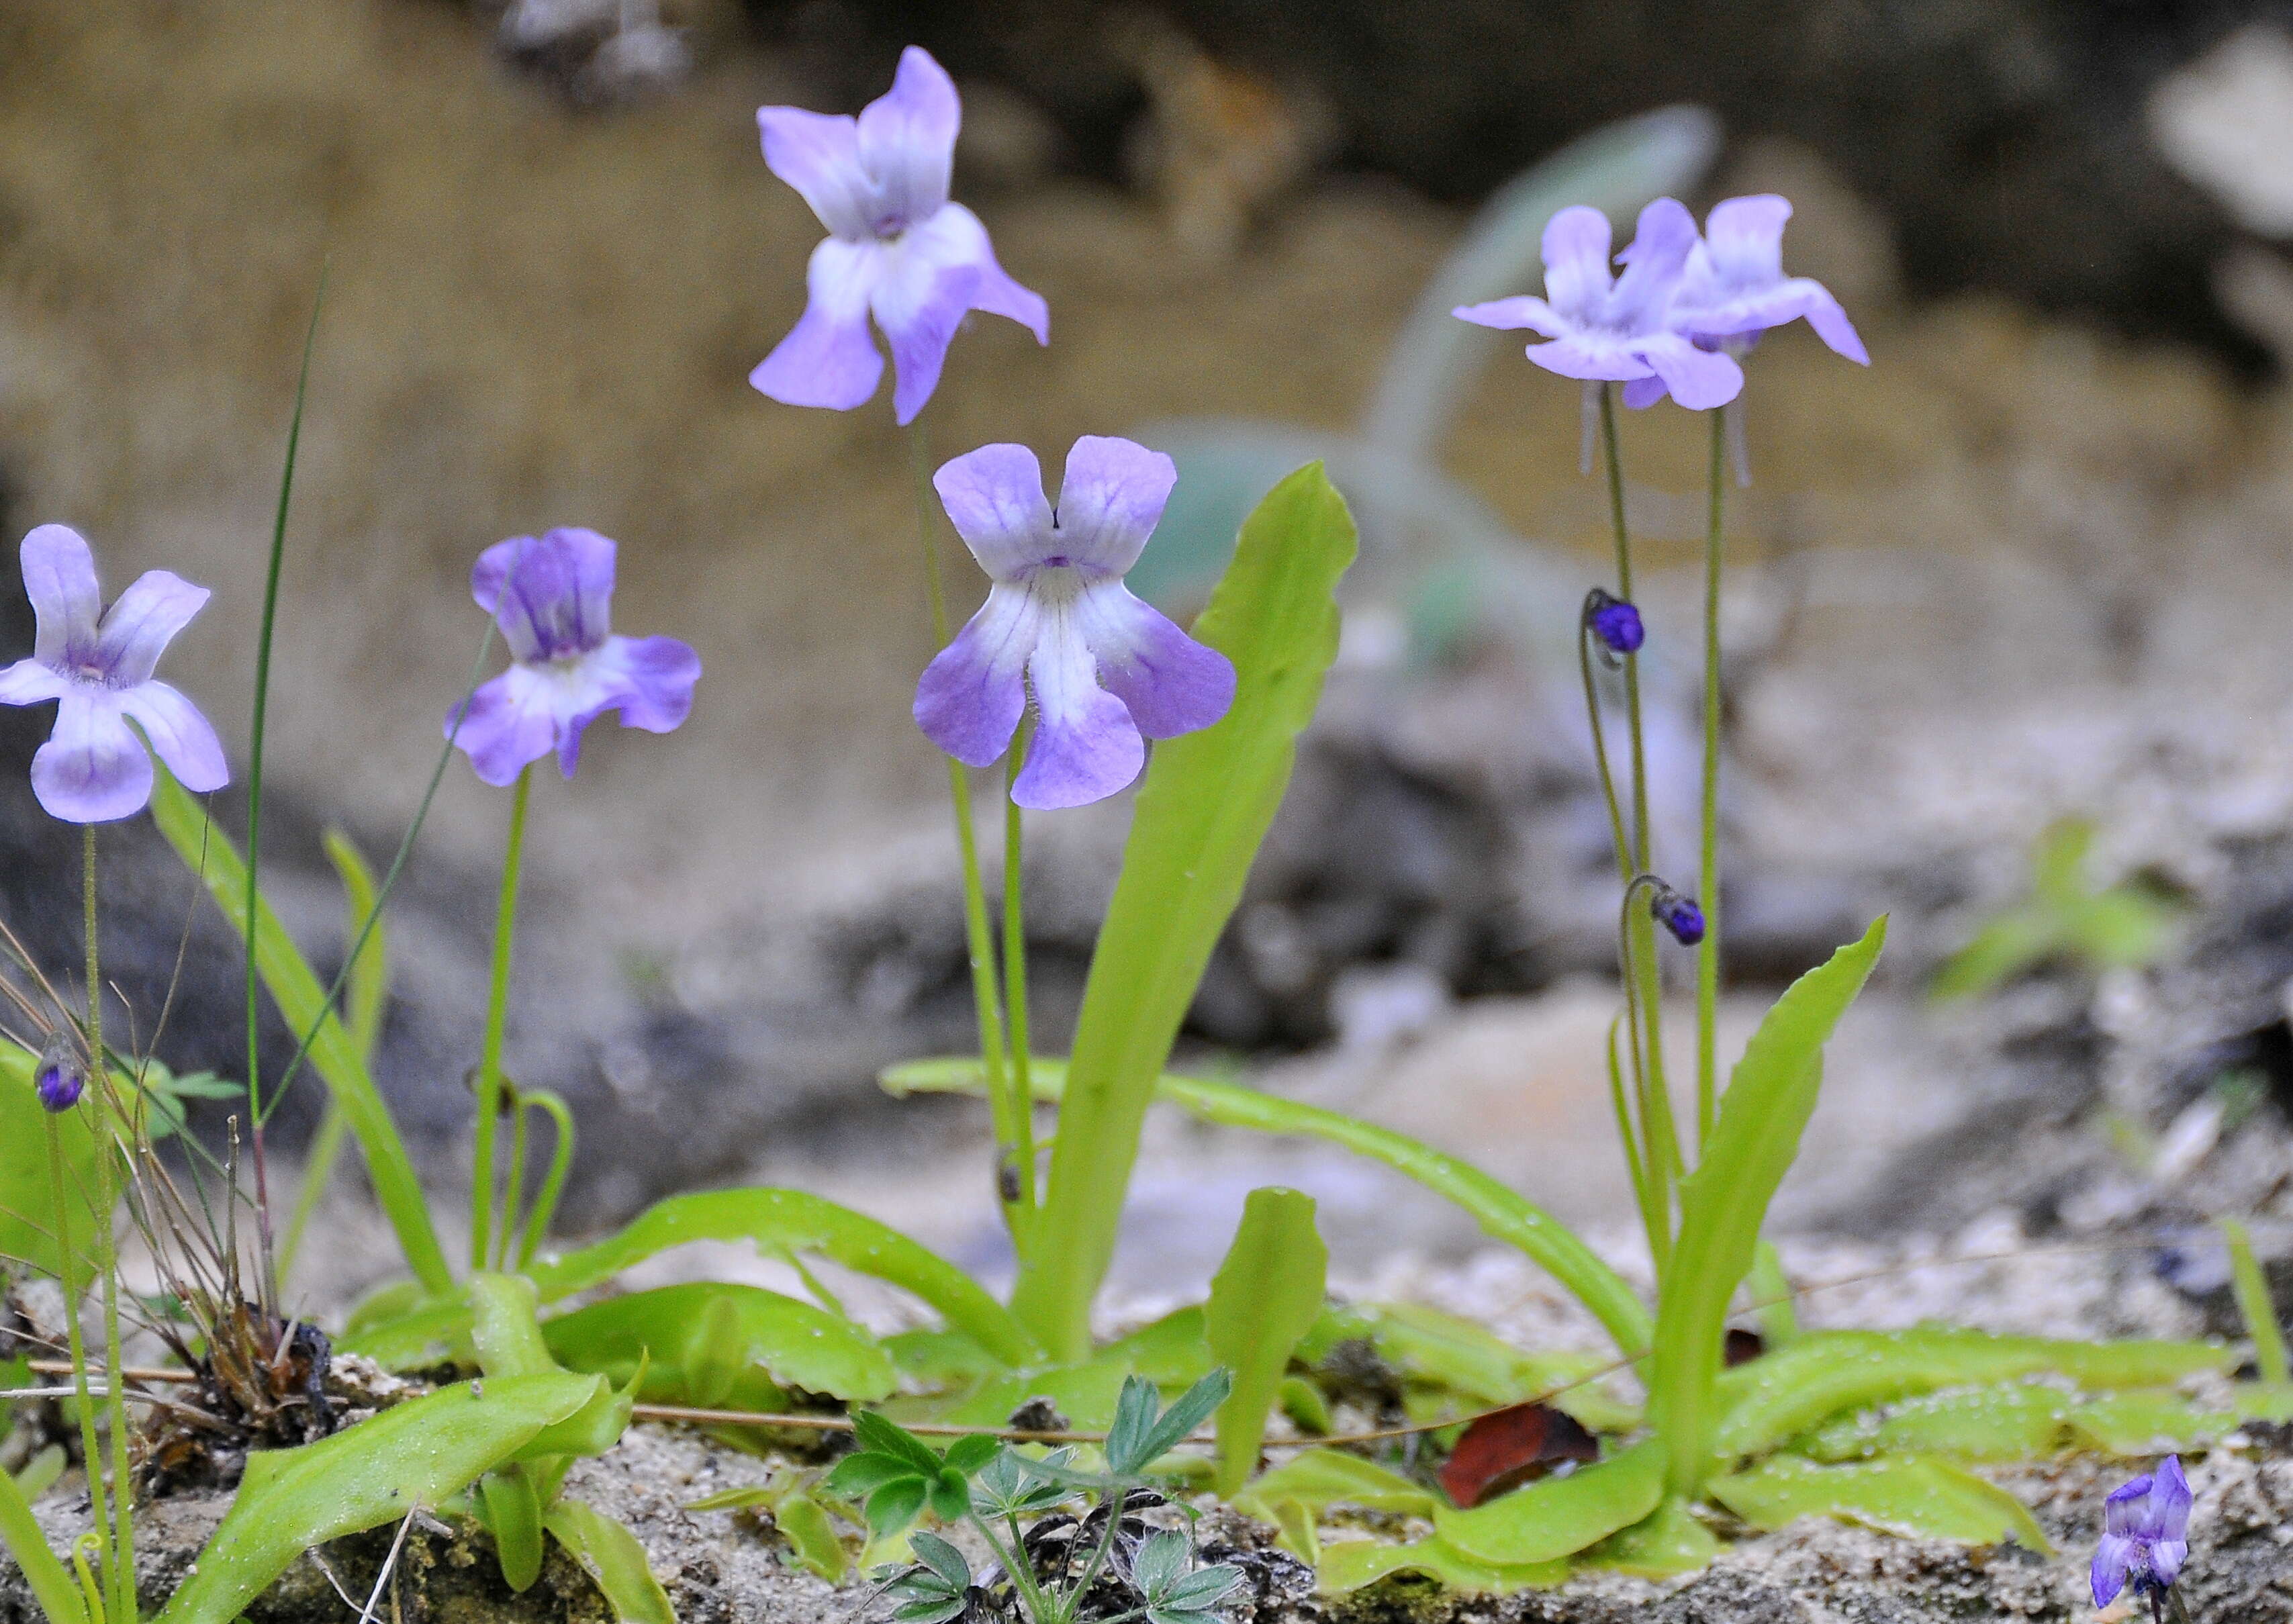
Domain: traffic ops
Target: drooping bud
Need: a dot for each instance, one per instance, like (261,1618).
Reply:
(1677,915)
(60,1079)
(1614,622)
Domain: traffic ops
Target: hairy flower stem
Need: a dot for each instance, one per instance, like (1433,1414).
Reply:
(1662,1152)
(482,1193)
(1004,1107)
(119,1560)
(68,1273)
(1707,872)
(1015,979)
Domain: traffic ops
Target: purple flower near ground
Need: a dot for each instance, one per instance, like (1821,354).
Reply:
(58,1080)
(2145,1535)
(1106,668)
(1614,622)
(1733,288)
(896,247)
(93,769)
(1611,328)
(1677,915)
(553,599)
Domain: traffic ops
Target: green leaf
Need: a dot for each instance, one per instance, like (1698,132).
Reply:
(1318,1479)
(1084,1393)
(1264,1297)
(1303,1403)
(2153,1423)
(1555,1517)
(940,1359)
(302,999)
(1187,1411)
(943,1559)
(812,1536)
(1170,1352)
(748,1344)
(967,1455)
(51,1583)
(896,1505)
(27,1201)
(1915,1496)
(1472,1362)
(1772,1399)
(611,1555)
(369,989)
(1770,1096)
(865,1472)
(1205,807)
(882,1435)
(788,1221)
(1502,1214)
(1669,1542)
(504,1327)
(414,1454)
(1359,1562)
(513,1515)
(2255,1302)
(2020,1421)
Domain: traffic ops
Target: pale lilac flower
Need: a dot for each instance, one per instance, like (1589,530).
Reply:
(896,247)
(2145,1535)
(1106,668)
(1607,328)
(1733,289)
(93,769)
(553,599)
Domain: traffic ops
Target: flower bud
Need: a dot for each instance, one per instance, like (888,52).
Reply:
(1677,915)
(58,1080)
(1614,622)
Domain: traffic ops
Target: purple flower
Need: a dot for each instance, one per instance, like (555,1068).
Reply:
(1677,915)
(59,1080)
(1614,621)
(93,768)
(896,247)
(1733,288)
(2145,1535)
(553,599)
(1106,668)
(1611,328)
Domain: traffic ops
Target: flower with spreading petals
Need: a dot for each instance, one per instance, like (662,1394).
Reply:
(2145,1535)
(93,769)
(1609,328)
(1108,670)
(897,249)
(553,599)
(1733,289)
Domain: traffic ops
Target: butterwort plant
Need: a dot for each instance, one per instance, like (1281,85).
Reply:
(2145,1540)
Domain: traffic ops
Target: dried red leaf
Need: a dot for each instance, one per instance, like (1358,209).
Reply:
(1507,1448)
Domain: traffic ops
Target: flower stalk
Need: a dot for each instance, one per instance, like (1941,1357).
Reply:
(1707,870)
(483,1196)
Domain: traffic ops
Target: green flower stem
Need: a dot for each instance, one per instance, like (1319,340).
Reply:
(1004,1105)
(1601,756)
(1662,1153)
(119,1559)
(483,1195)
(67,1265)
(1038,1605)
(1015,979)
(514,1188)
(1707,872)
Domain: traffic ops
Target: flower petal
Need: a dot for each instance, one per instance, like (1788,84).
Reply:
(1111,500)
(1594,356)
(930,276)
(1576,272)
(819,154)
(141,624)
(1170,684)
(2107,1575)
(2125,1510)
(971,695)
(1699,379)
(994,497)
(2170,1500)
(828,359)
(183,737)
(28,681)
(1641,393)
(511,720)
(1745,237)
(1517,313)
(60,580)
(93,768)
(1086,746)
(1654,261)
(649,680)
(907,138)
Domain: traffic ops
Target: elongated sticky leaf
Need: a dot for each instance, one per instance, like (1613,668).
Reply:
(1319,1478)
(512,1516)
(749,1332)
(1555,1517)
(1356,1563)
(1670,1540)
(412,1455)
(51,1584)
(1205,806)
(1502,1214)
(1770,1401)
(788,1221)
(2018,1421)
(1264,1297)
(300,997)
(1770,1096)
(610,1555)
(1916,1496)
(2148,1423)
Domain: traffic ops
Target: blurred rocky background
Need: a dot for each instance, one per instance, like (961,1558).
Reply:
(2036,563)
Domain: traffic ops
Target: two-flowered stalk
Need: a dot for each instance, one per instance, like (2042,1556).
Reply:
(552,598)
(1676,321)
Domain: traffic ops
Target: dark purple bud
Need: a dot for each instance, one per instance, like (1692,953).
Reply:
(1677,915)
(1614,622)
(58,1080)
